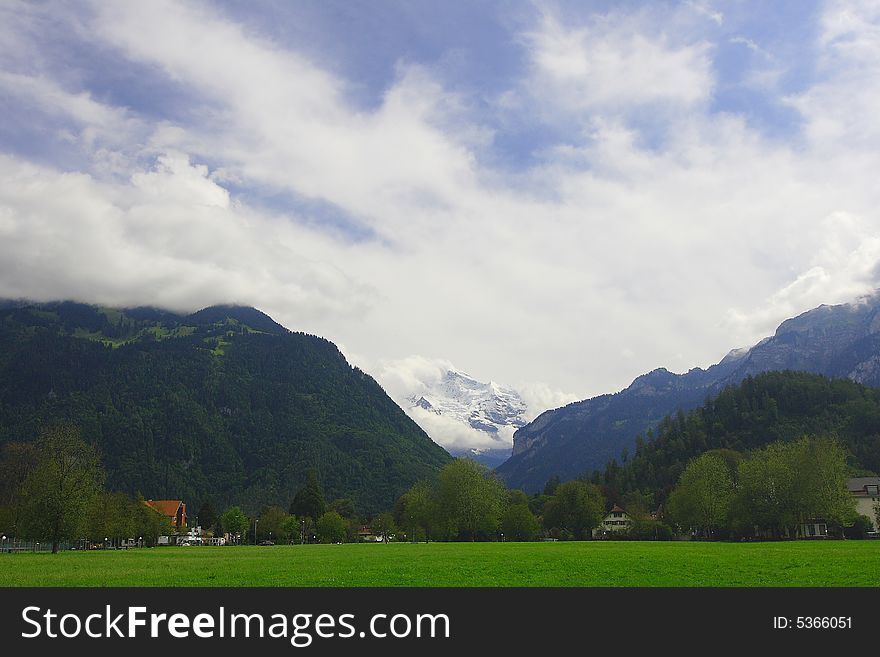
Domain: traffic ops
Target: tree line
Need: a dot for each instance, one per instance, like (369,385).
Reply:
(468,502)
(52,490)
(464,502)
(309,519)
(772,492)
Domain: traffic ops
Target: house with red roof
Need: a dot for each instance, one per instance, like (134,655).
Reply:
(174,510)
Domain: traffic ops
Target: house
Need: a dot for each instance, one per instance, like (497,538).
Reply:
(866,493)
(615,522)
(365,535)
(174,510)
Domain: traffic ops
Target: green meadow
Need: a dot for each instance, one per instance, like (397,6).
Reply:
(818,563)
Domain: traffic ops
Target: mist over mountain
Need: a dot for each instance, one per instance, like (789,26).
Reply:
(837,341)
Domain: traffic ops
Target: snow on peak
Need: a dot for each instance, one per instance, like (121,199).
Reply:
(491,408)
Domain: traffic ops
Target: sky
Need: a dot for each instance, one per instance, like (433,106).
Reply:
(558,196)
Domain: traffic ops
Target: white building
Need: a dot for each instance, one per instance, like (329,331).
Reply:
(616,521)
(866,492)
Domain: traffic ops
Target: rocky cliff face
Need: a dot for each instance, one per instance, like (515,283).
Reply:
(837,341)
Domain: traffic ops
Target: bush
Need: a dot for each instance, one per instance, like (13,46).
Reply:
(649,530)
(519,524)
(859,529)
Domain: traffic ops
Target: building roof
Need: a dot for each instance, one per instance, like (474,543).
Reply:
(617,509)
(857,484)
(165,507)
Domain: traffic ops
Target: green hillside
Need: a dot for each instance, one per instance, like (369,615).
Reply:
(223,404)
(763,409)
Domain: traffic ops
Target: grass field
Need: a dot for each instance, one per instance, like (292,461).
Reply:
(818,563)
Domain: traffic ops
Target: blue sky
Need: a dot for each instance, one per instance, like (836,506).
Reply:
(554,195)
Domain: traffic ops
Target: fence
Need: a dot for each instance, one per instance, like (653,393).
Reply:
(13,545)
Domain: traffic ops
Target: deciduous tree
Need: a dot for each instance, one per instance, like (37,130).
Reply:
(234,522)
(518,523)
(703,495)
(576,508)
(58,491)
(418,509)
(332,528)
(469,498)
(786,484)
(383,526)
(274,524)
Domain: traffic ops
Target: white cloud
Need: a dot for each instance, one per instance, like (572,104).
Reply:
(48,96)
(283,122)
(540,396)
(706,10)
(168,236)
(841,107)
(413,375)
(615,63)
(844,268)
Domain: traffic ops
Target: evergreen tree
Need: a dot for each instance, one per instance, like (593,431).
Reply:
(551,485)
(309,500)
(206,516)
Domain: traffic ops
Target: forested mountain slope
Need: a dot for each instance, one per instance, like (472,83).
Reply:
(770,407)
(223,404)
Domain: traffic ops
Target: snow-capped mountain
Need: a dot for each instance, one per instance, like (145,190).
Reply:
(494,410)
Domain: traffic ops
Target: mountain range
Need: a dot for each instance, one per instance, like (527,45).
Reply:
(223,404)
(837,341)
(226,404)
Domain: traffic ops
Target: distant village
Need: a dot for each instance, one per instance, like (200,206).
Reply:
(865,492)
